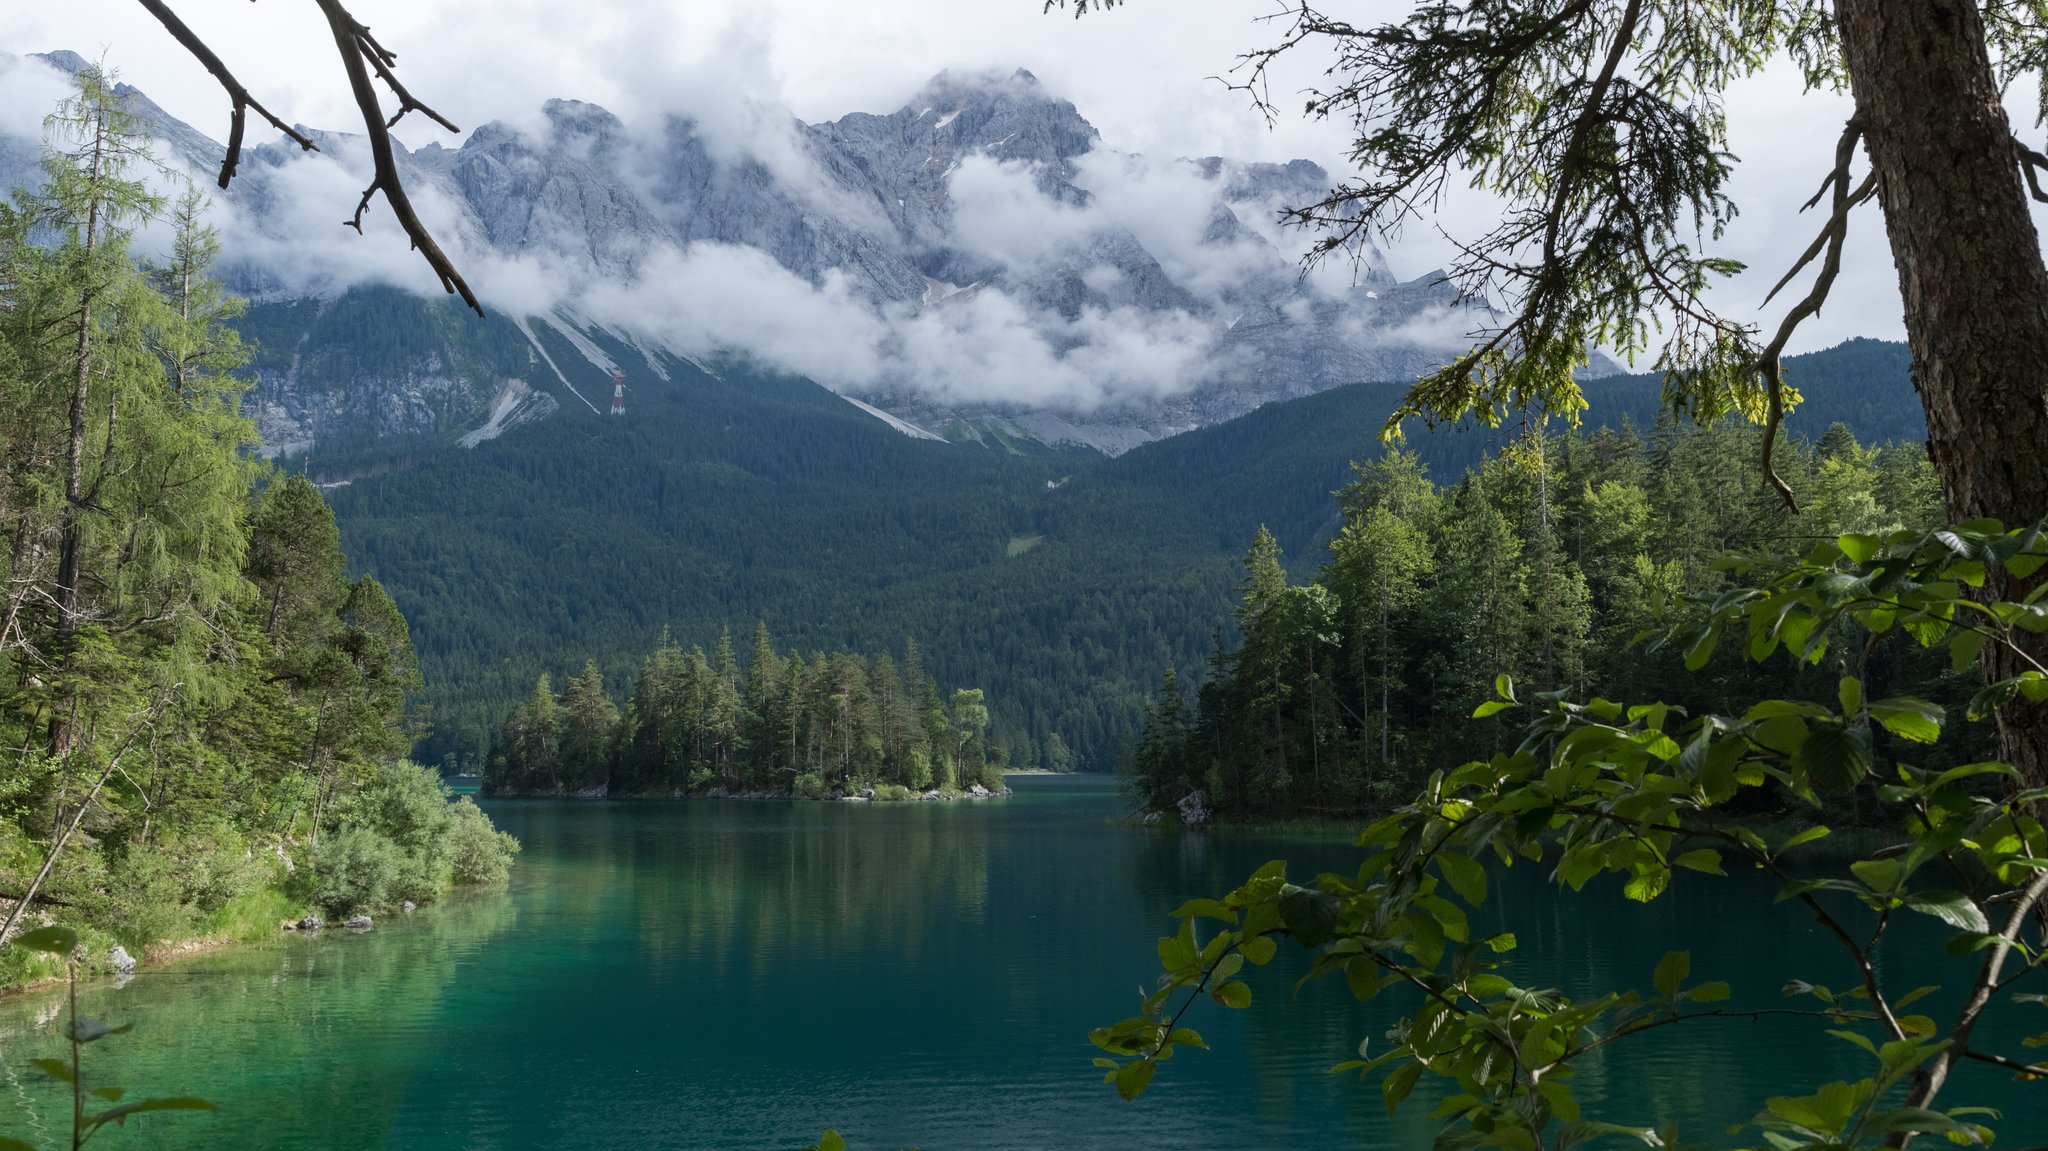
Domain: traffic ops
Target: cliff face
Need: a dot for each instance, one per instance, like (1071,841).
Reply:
(973,263)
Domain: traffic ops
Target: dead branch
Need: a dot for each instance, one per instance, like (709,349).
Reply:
(238,96)
(357,48)
(2032,163)
(1829,242)
(353,40)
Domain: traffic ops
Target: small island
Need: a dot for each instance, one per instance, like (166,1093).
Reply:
(830,726)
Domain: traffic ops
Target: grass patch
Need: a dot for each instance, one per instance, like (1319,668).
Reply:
(253,915)
(1021,544)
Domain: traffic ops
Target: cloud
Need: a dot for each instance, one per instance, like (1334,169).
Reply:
(29,90)
(1000,214)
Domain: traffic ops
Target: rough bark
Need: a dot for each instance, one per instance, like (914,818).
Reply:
(1970,271)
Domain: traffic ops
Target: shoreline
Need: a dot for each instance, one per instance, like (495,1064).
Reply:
(977,794)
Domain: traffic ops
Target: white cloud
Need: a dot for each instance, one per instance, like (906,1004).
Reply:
(999,214)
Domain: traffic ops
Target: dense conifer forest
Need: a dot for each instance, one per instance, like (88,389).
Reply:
(1059,581)
(1556,562)
(789,724)
(205,715)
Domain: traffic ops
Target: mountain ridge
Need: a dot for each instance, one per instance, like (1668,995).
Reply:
(976,263)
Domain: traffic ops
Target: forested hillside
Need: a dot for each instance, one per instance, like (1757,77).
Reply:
(206,715)
(1061,582)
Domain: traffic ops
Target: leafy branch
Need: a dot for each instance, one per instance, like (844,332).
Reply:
(1640,792)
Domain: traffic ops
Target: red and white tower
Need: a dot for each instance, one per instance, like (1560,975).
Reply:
(618,393)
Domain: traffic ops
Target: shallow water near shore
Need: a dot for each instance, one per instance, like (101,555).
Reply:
(725,974)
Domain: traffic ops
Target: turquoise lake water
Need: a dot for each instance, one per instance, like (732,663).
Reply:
(723,974)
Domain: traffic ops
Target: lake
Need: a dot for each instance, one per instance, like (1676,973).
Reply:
(725,974)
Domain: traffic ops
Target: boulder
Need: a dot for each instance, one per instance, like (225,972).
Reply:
(1150,817)
(121,961)
(408,907)
(978,791)
(312,923)
(1194,808)
(359,923)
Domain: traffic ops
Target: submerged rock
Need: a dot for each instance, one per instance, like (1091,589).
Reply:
(359,923)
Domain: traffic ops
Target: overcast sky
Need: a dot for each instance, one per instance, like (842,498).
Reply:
(1140,74)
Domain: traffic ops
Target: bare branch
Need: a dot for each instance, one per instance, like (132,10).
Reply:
(356,46)
(2032,163)
(237,94)
(1832,235)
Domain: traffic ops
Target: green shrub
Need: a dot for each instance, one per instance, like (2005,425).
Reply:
(891,792)
(810,785)
(479,854)
(350,872)
(404,804)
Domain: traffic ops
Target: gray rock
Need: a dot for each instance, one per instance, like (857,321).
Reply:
(359,923)
(1150,817)
(978,791)
(120,960)
(1194,808)
(312,923)
(408,907)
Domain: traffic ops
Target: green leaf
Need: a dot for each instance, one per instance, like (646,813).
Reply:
(54,1068)
(1714,991)
(1233,994)
(1311,915)
(1258,950)
(1807,836)
(1701,649)
(1175,953)
(1504,686)
(1212,908)
(1671,973)
(1951,907)
(1859,548)
(829,1141)
(1914,719)
(7,1144)
(1490,708)
(1133,1077)
(1187,1037)
(1466,876)
(1834,758)
(1399,1083)
(110,1094)
(1705,859)
(1850,692)
(1880,875)
(1965,647)
(50,940)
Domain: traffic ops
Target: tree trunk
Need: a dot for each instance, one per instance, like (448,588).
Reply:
(1970,272)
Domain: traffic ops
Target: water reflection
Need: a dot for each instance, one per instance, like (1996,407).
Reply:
(288,1038)
(738,975)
